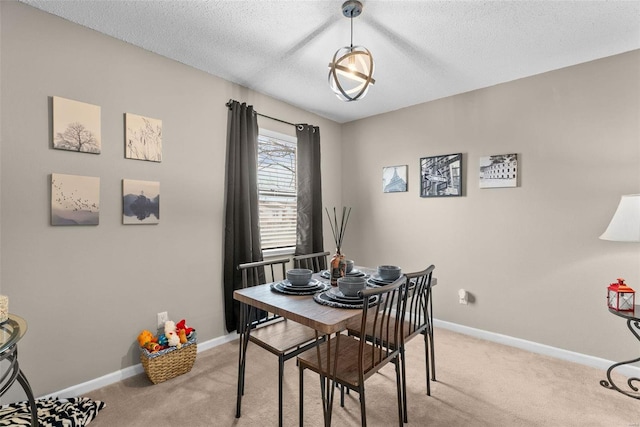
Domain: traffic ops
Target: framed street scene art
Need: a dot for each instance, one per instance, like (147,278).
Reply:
(140,202)
(394,179)
(143,138)
(499,171)
(75,200)
(441,176)
(76,126)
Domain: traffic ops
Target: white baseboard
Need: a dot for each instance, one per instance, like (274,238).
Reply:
(583,359)
(114,377)
(534,347)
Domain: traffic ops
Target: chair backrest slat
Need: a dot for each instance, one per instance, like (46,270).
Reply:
(417,313)
(315,262)
(260,272)
(383,308)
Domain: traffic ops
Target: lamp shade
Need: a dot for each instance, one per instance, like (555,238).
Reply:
(625,224)
(351,73)
(351,69)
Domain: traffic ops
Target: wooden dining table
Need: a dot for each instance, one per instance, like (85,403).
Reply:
(303,309)
(299,308)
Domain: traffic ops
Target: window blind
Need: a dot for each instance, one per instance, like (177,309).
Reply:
(277,189)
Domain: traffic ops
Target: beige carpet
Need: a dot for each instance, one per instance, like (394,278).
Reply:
(480,383)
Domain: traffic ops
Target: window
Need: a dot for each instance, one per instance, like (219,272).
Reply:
(277,190)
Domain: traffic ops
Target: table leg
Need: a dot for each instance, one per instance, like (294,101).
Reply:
(328,382)
(431,344)
(242,353)
(32,402)
(609,383)
(14,373)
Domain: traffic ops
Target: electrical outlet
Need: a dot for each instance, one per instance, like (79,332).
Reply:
(162,318)
(462,296)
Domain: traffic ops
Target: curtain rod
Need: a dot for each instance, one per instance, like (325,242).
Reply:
(228,104)
(278,120)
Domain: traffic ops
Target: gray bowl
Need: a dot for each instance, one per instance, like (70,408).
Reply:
(349,263)
(299,276)
(389,272)
(350,286)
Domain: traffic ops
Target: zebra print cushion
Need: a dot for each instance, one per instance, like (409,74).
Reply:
(72,412)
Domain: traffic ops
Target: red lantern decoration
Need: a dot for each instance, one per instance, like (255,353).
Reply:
(621,297)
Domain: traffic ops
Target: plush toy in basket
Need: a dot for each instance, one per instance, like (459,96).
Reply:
(169,354)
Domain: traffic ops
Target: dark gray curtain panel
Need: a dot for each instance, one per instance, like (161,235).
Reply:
(242,231)
(309,222)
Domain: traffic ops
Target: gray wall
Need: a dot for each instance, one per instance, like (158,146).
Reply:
(86,292)
(530,255)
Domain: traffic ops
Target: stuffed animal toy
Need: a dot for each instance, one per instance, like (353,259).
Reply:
(169,326)
(172,335)
(152,346)
(162,340)
(145,337)
(183,325)
(183,336)
(173,339)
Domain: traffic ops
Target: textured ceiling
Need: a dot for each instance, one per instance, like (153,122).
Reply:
(423,50)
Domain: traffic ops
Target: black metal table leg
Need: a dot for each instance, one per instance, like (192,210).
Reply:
(14,373)
(609,383)
(32,401)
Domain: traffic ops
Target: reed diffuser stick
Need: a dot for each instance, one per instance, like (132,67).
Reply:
(338,231)
(335,219)
(343,227)
(333,230)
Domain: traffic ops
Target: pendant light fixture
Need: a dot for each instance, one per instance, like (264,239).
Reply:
(351,70)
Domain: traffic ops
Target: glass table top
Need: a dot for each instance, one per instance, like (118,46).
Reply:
(11,331)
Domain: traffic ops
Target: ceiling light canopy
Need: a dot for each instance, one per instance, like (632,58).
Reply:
(351,69)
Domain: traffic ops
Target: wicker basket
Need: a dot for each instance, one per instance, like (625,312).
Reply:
(169,363)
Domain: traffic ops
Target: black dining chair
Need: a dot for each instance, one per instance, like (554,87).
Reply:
(418,319)
(315,262)
(283,338)
(355,360)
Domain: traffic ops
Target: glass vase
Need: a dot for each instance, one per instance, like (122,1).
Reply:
(338,267)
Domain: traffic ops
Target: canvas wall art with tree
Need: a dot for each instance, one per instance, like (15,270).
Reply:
(143,138)
(76,126)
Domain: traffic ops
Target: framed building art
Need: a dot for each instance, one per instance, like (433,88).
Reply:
(441,176)
(499,170)
(394,179)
